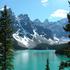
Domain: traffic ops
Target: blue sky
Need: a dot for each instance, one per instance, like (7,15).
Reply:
(41,9)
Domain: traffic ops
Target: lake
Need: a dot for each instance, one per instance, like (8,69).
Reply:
(37,60)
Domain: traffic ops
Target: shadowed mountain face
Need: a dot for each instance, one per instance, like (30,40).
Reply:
(26,23)
(46,28)
(55,27)
(25,27)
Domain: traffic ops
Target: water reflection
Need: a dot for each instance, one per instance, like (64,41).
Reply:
(36,60)
(25,56)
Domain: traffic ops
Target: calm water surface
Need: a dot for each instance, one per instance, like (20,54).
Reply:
(37,60)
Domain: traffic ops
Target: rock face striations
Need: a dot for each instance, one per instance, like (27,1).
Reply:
(31,33)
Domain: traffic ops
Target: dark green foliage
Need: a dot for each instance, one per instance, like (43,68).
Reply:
(67,27)
(65,50)
(61,67)
(64,65)
(6,45)
(47,66)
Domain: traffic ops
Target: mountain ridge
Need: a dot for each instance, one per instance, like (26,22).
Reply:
(36,32)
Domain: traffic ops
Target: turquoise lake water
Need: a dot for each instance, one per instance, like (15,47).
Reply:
(37,60)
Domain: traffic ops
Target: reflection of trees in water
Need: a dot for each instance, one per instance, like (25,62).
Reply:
(47,66)
(61,67)
(64,65)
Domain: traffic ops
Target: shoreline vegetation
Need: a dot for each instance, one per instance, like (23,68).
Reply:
(64,65)
(64,51)
(42,46)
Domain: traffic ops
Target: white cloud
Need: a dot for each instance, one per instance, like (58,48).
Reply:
(44,2)
(60,13)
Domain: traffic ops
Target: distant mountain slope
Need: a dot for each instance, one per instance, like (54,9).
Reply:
(36,32)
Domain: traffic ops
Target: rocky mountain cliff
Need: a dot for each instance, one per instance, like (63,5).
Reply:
(36,31)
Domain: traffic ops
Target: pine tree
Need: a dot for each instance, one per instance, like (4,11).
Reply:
(47,66)
(6,44)
(67,27)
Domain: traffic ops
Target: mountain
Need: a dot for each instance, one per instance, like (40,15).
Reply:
(36,32)
(37,22)
(57,27)
(26,23)
(28,33)
(28,26)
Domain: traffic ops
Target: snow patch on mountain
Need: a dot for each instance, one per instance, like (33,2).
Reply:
(37,39)
(30,33)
